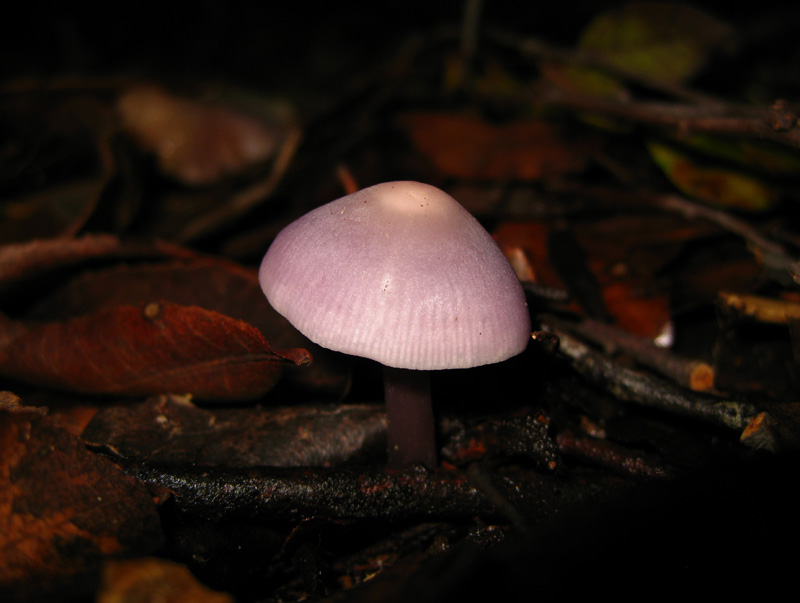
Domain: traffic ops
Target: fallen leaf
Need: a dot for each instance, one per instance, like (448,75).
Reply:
(150,349)
(170,430)
(38,260)
(662,41)
(465,146)
(622,254)
(62,509)
(210,283)
(198,143)
(713,184)
(207,282)
(762,156)
(55,211)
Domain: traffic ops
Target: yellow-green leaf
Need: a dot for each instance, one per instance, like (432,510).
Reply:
(663,41)
(762,156)
(710,183)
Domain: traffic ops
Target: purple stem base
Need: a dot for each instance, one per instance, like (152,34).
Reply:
(410,435)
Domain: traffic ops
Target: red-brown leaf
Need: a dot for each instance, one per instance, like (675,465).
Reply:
(35,260)
(210,283)
(464,146)
(623,255)
(150,349)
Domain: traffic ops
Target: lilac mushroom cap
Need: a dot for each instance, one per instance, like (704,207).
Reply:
(400,273)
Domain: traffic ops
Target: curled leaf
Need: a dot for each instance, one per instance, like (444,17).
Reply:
(154,348)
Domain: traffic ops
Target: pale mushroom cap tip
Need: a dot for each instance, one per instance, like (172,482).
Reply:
(400,273)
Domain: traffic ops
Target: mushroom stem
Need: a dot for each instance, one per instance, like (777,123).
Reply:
(410,432)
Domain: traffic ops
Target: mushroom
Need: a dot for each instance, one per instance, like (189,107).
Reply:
(400,273)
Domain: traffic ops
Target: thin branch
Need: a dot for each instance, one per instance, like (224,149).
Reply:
(753,122)
(696,113)
(688,372)
(778,261)
(784,267)
(761,309)
(647,390)
(538,49)
(613,457)
(275,493)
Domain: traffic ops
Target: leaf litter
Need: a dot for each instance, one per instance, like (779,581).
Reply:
(122,310)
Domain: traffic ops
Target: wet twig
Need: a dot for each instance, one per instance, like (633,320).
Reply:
(612,456)
(777,260)
(783,267)
(695,113)
(648,390)
(275,493)
(547,293)
(752,122)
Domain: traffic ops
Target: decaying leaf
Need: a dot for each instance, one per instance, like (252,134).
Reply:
(753,154)
(154,348)
(62,509)
(199,143)
(710,183)
(465,146)
(170,430)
